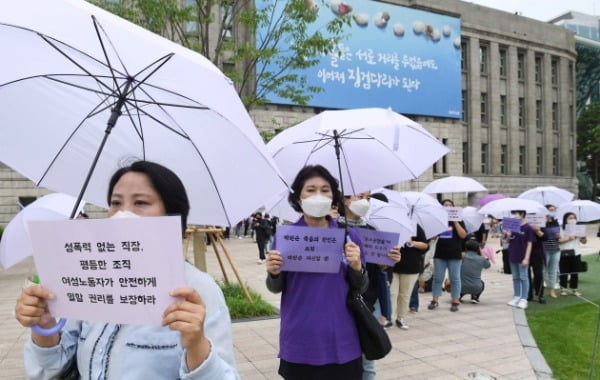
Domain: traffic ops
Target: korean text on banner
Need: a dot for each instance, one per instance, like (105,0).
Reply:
(308,249)
(110,270)
(377,244)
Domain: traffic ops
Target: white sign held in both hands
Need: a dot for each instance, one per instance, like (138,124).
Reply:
(572,229)
(454,214)
(110,270)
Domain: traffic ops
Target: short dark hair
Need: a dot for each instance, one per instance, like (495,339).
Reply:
(304,175)
(565,218)
(523,213)
(447,200)
(472,245)
(166,183)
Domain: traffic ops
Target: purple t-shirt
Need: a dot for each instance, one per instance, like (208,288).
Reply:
(518,243)
(316,325)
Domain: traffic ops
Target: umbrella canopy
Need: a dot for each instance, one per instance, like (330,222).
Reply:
(501,208)
(16,244)
(390,218)
(454,184)
(422,210)
(584,210)
(472,218)
(490,197)
(367,148)
(548,195)
(85,89)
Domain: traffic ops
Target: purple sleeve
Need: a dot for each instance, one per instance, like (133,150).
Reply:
(531,237)
(356,239)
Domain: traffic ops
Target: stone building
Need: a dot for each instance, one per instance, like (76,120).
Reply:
(518,100)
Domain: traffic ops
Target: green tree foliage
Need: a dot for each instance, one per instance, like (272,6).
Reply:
(588,143)
(224,31)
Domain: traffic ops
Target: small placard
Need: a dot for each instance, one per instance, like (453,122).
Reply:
(377,244)
(572,229)
(454,214)
(511,224)
(308,249)
(536,220)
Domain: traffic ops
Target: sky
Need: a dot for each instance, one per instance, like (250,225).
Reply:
(542,10)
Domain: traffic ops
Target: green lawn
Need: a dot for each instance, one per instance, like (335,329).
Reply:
(565,328)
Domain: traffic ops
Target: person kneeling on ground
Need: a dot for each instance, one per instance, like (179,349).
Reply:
(472,265)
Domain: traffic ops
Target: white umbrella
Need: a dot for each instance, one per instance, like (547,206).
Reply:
(390,218)
(86,91)
(501,208)
(16,244)
(548,195)
(454,184)
(472,218)
(584,210)
(373,147)
(423,210)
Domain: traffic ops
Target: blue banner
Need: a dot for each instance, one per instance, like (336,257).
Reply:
(394,56)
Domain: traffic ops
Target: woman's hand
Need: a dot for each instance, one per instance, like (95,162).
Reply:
(395,254)
(187,316)
(32,309)
(274,262)
(524,263)
(352,252)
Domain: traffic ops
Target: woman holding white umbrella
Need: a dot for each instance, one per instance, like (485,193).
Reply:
(448,254)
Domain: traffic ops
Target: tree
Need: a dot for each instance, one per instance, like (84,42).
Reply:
(588,143)
(224,31)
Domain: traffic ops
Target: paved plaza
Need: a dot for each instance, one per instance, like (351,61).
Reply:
(488,339)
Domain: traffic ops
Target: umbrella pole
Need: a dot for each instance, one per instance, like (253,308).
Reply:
(112,121)
(337,145)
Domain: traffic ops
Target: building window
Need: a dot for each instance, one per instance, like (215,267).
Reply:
(503,110)
(522,159)
(539,161)
(538,69)
(463,57)
(554,72)
(484,108)
(483,59)
(503,159)
(227,18)
(465,106)
(555,116)
(502,66)
(191,27)
(572,162)
(571,119)
(484,158)
(444,159)
(522,113)
(521,66)
(465,158)
(555,161)
(538,114)
(571,74)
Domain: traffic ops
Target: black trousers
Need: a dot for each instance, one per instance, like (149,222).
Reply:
(505,262)
(346,371)
(569,265)
(536,266)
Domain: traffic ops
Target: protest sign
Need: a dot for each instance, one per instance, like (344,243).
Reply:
(308,249)
(110,270)
(377,244)
(511,224)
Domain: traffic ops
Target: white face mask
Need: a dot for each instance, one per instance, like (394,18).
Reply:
(316,206)
(360,207)
(516,216)
(571,221)
(125,215)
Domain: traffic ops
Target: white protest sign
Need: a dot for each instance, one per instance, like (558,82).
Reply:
(536,220)
(572,229)
(454,214)
(110,270)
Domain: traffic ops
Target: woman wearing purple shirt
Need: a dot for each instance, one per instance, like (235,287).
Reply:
(318,337)
(519,252)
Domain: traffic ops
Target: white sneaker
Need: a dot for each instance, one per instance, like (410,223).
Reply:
(522,304)
(514,301)
(260,261)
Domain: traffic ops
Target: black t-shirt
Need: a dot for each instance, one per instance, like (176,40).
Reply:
(449,245)
(411,260)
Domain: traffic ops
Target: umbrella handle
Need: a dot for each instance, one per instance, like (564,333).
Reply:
(51,331)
